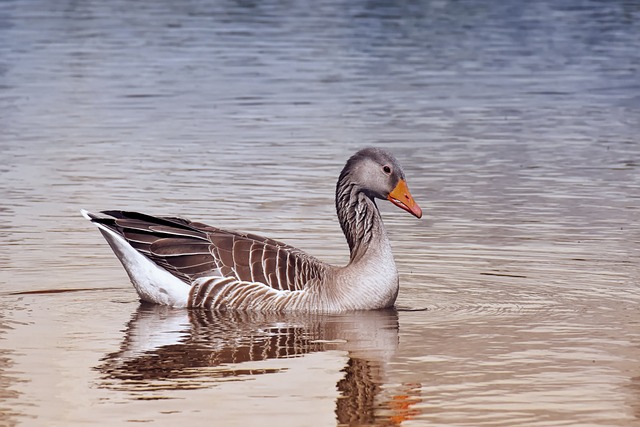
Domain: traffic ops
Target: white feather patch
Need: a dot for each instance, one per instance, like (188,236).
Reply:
(153,283)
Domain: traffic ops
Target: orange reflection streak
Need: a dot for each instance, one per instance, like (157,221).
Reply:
(401,405)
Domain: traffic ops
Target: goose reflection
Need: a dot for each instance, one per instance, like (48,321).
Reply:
(168,349)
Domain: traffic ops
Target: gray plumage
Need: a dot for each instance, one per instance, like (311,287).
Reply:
(225,270)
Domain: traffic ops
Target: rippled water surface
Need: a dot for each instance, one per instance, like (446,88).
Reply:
(517,124)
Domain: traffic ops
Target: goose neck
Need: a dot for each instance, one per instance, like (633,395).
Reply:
(360,222)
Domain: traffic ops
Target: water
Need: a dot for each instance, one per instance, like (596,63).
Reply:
(517,125)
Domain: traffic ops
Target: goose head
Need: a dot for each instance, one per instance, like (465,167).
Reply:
(376,173)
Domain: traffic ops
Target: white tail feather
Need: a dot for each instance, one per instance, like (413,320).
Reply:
(153,283)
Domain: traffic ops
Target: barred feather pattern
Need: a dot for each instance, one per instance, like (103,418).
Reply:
(226,270)
(357,214)
(228,293)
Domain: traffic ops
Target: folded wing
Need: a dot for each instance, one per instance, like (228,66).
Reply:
(191,250)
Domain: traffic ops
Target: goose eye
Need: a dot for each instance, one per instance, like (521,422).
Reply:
(386,169)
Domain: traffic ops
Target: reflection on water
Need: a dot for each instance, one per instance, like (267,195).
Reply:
(8,395)
(166,349)
(517,124)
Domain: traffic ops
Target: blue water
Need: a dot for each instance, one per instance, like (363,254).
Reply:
(517,125)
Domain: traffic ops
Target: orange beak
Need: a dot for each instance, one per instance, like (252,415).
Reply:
(401,197)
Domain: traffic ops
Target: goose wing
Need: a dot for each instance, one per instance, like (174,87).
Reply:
(191,250)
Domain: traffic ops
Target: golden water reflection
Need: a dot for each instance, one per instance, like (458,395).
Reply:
(165,349)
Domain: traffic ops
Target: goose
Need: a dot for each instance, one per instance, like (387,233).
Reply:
(181,263)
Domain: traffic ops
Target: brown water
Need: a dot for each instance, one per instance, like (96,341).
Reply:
(517,124)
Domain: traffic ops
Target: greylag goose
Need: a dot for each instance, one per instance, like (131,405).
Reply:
(181,263)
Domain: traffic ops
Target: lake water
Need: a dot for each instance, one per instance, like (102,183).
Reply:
(517,124)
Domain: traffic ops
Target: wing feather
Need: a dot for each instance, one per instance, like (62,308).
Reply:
(291,270)
(190,250)
(242,251)
(179,246)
